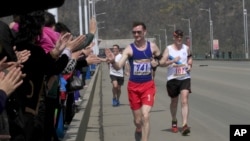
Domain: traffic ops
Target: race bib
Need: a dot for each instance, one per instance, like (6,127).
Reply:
(180,71)
(142,68)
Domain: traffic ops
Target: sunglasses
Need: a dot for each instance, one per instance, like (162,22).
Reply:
(138,32)
(178,37)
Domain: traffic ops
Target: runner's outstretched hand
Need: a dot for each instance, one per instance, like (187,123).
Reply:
(109,55)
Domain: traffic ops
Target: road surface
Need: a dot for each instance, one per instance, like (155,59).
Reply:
(220,97)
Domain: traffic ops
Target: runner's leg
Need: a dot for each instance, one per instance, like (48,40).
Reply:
(138,124)
(115,89)
(184,106)
(173,107)
(137,119)
(145,122)
(118,92)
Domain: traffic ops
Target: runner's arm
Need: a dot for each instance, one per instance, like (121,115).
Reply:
(118,65)
(164,62)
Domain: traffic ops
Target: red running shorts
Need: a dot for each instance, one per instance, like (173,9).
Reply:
(141,94)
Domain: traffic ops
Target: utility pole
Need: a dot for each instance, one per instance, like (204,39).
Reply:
(166,37)
(211,31)
(190,32)
(245,30)
(159,39)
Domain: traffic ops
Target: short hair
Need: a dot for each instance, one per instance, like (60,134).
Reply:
(49,19)
(137,23)
(61,27)
(178,33)
(116,46)
(30,26)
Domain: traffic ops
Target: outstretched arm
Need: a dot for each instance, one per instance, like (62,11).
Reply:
(111,58)
(127,68)
(92,30)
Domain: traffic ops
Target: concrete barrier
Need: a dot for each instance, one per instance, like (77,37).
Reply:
(79,124)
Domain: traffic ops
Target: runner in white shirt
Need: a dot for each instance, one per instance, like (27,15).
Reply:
(178,58)
(117,77)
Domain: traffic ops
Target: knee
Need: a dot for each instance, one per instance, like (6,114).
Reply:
(184,102)
(115,86)
(137,120)
(145,117)
(174,102)
(118,88)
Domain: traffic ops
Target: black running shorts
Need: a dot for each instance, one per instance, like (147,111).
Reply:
(175,86)
(120,80)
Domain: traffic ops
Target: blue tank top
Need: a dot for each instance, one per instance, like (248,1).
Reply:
(140,64)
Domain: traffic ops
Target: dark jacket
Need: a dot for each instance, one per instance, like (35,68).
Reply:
(6,42)
(3,98)
(6,49)
(36,68)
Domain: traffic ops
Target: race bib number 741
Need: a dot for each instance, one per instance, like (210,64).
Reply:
(142,68)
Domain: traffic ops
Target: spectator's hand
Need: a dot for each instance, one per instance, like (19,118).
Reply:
(75,55)
(62,42)
(109,55)
(93,59)
(86,51)
(6,66)
(89,49)
(3,64)
(60,45)
(75,43)
(103,59)
(11,80)
(92,25)
(22,56)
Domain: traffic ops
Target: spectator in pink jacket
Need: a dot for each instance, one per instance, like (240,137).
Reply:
(50,36)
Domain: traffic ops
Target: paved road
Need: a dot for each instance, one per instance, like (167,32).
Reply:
(220,97)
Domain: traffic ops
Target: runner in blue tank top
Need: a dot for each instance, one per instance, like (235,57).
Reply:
(141,87)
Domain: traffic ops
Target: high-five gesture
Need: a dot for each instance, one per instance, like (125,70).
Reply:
(89,49)
(67,42)
(75,43)
(60,45)
(93,59)
(109,55)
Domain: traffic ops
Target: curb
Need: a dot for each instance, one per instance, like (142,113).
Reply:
(79,125)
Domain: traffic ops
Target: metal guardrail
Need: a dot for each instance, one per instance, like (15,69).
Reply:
(79,124)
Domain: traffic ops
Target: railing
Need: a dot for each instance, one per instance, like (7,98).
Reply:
(79,125)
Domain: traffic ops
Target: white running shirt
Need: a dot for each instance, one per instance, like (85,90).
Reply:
(113,71)
(180,72)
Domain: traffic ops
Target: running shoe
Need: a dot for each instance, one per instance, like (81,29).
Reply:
(117,103)
(185,130)
(174,127)
(137,135)
(114,102)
